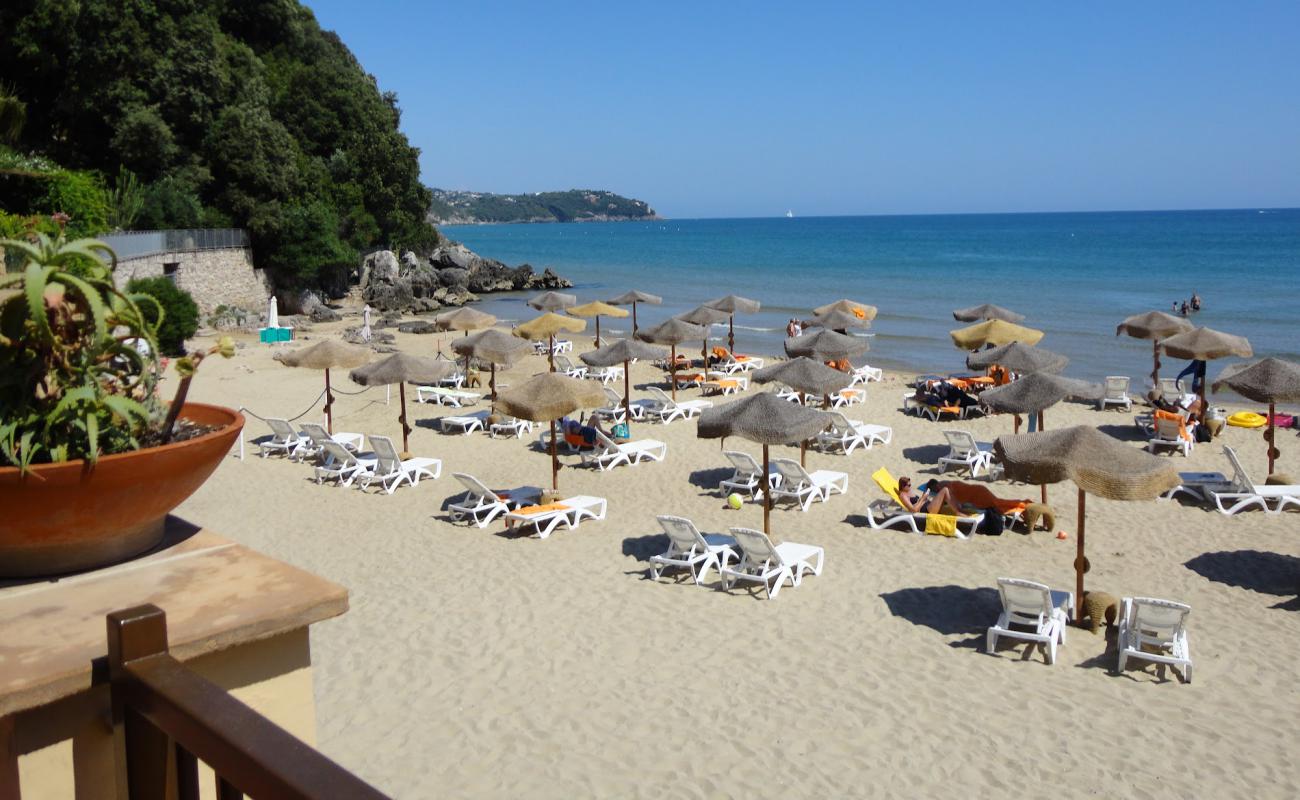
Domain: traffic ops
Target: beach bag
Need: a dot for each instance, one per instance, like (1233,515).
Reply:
(992,524)
(621,431)
(1203,434)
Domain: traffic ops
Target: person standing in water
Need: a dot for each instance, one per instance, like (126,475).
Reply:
(1196,301)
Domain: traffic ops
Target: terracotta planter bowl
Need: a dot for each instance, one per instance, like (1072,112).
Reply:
(64,517)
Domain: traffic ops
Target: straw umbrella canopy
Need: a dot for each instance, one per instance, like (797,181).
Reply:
(401,369)
(1032,394)
(826,345)
(804,375)
(1271,381)
(493,346)
(993,332)
(733,305)
(464,319)
(704,317)
(1153,325)
(327,355)
(596,309)
(1098,464)
(1206,344)
(1018,357)
(672,333)
(623,351)
(553,301)
(632,298)
(985,312)
(837,320)
(860,310)
(545,327)
(766,419)
(546,398)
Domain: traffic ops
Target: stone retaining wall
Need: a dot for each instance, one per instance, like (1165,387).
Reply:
(213,277)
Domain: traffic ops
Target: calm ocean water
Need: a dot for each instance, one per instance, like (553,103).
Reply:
(1074,276)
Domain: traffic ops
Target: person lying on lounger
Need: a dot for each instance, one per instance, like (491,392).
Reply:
(935,496)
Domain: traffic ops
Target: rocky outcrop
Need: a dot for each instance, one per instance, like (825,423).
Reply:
(452,275)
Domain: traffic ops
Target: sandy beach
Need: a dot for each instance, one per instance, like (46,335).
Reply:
(476,663)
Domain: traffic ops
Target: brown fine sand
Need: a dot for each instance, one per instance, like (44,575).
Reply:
(479,664)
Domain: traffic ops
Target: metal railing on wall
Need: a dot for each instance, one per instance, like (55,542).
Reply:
(136,244)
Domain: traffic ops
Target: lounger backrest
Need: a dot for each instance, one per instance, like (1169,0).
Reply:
(1158,621)
(746,465)
(388,461)
(660,397)
(792,474)
(316,432)
(683,533)
(337,456)
(960,443)
(888,484)
(1116,386)
(1168,429)
(1169,388)
(475,487)
(612,398)
(606,444)
(1025,602)
(840,424)
(563,363)
(757,548)
(282,429)
(1239,475)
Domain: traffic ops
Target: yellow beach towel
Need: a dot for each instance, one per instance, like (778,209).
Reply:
(941,524)
(887,483)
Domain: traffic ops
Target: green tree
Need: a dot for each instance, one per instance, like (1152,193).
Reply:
(180,314)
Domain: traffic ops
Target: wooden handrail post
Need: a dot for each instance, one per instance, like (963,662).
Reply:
(135,634)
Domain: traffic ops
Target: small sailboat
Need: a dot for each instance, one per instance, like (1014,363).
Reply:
(789,214)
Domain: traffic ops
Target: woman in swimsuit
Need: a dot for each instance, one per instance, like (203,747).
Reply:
(927,502)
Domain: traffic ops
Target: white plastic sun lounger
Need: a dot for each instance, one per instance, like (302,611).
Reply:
(390,471)
(965,452)
(613,409)
(668,409)
(563,364)
(748,474)
(1032,612)
(848,397)
(803,488)
(770,564)
(318,436)
(570,512)
(847,434)
(866,373)
(510,426)
(283,439)
(606,375)
(463,424)
(481,505)
(608,454)
(1154,630)
(342,465)
(1116,393)
(692,550)
(446,397)
(885,514)
(1167,434)
(1245,493)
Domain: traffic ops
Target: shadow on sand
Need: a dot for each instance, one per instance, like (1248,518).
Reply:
(1254,570)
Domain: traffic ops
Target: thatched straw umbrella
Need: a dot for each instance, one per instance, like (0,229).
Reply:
(1098,464)
(1018,357)
(553,301)
(632,298)
(733,305)
(1032,394)
(985,312)
(805,376)
(493,346)
(860,310)
(596,309)
(1271,381)
(1153,325)
(546,398)
(1205,344)
(766,419)
(399,368)
(673,332)
(464,319)
(622,352)
(993,332)
(327,355)
(704,317)
(826,345)
(545,327)
(837,320)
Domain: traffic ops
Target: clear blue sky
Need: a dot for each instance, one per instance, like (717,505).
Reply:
(746,109)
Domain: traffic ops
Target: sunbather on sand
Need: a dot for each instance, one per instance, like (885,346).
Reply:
(931,501)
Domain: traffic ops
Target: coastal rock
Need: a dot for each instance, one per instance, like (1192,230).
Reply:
(323,313)
(419,326)
(452,275)
(409,260)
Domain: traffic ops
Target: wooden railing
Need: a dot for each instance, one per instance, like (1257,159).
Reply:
(163,710)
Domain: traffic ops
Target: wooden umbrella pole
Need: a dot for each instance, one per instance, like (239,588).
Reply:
(329,401)
(492,382)
(1016,428)
(767,495)
(550,351)
(627,394)
(803,453)
(555,463)
(672,371)
(406,429)
(1272,436)
(634,319)
(731,334)
(1155,363)
(597,330)
(1042,486)
(1080,563)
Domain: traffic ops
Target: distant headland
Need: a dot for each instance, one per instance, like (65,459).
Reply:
(452,207)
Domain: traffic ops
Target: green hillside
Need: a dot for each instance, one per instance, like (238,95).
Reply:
(575,205)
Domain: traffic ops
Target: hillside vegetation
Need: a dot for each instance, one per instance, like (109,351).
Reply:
(575,205)
(206,113)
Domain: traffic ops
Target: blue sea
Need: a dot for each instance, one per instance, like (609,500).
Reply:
(1073,275)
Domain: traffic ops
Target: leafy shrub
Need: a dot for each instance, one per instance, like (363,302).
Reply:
(177,309)
(81,196)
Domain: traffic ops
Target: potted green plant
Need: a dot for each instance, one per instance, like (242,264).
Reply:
(93,459)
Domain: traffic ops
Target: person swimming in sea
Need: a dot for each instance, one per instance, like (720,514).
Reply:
(1183,309)
(1196,301)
